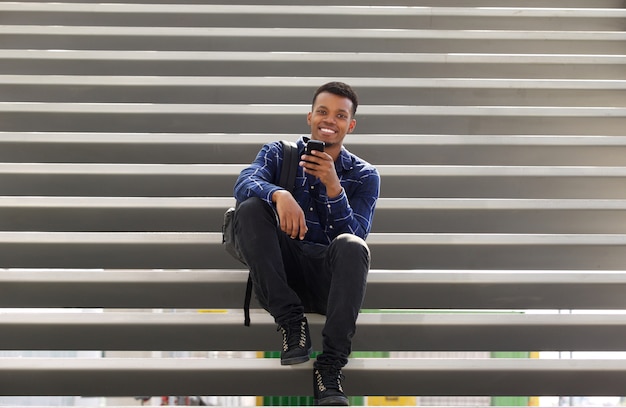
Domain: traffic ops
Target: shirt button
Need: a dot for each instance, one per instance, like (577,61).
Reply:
(311,209)
(312,187)
(331,227)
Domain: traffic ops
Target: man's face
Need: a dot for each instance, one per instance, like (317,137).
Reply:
(331,118)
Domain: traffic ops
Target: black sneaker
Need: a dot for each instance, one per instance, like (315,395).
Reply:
(327,388)
(296,342)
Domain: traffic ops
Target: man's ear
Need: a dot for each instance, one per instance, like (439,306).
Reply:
(352,125)
(308,118)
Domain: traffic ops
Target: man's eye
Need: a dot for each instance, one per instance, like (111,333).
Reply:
(342,116)
(321,112)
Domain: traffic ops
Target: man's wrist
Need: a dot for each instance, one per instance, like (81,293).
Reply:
(276,194)
(334,192)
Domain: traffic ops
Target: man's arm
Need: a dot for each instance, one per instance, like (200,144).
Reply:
(290,214)
(353,210)
(257,180)
(349,209)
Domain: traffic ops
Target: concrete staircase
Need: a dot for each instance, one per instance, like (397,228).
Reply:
(498,128)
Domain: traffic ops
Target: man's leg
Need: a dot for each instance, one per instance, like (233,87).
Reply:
(268,251)
(348,259)
(348,262)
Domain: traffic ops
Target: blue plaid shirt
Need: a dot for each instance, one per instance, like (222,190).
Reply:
(351,212)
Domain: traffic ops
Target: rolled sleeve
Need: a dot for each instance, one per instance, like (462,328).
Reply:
(355,214)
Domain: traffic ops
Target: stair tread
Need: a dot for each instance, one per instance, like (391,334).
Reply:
(258,139)
(288,10)
(383,203)
(335,33)
(224,376)
(385,170)
(307,83)
(231,56)
(403,331)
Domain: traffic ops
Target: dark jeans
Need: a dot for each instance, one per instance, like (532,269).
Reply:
(292,277)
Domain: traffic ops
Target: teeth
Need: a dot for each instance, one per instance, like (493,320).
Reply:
(326,130)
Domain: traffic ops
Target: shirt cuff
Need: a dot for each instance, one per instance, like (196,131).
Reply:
(338,206)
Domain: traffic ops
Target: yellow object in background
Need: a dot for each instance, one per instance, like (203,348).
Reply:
(533,401)
(392,401)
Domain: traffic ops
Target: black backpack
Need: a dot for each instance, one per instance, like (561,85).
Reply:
(287,181)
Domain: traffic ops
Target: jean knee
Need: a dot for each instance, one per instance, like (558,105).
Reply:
(251,205)
(350,242)
(351,247)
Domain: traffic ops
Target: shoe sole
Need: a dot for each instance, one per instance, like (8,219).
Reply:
(296,360)
(333,401)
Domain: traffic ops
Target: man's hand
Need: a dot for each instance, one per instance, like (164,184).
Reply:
(290,214)
(322,166)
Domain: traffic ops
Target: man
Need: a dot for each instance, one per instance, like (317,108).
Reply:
(306,252)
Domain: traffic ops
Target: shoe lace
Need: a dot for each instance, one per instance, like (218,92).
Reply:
(294,335)
(329,379)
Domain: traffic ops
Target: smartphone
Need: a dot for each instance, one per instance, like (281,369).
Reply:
(314,145)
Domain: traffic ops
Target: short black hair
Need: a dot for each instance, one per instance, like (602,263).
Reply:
(340,89)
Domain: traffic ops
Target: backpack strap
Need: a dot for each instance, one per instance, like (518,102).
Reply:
(246,302)
(287,180)
(290,165)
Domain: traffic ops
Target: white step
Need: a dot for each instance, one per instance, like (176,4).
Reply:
(311,16)
(380,149)
(139,117)
(282,90)
(233,376)
(414,3)
(398,181)
(202,214)
(389,250)
(338,64)
(386,289)
(309,39)
(221,330)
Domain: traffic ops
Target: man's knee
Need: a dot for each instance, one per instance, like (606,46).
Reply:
(251,205)
(350,246)
(250,212)
(350,242)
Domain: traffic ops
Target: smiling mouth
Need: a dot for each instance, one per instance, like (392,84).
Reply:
(327,131)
